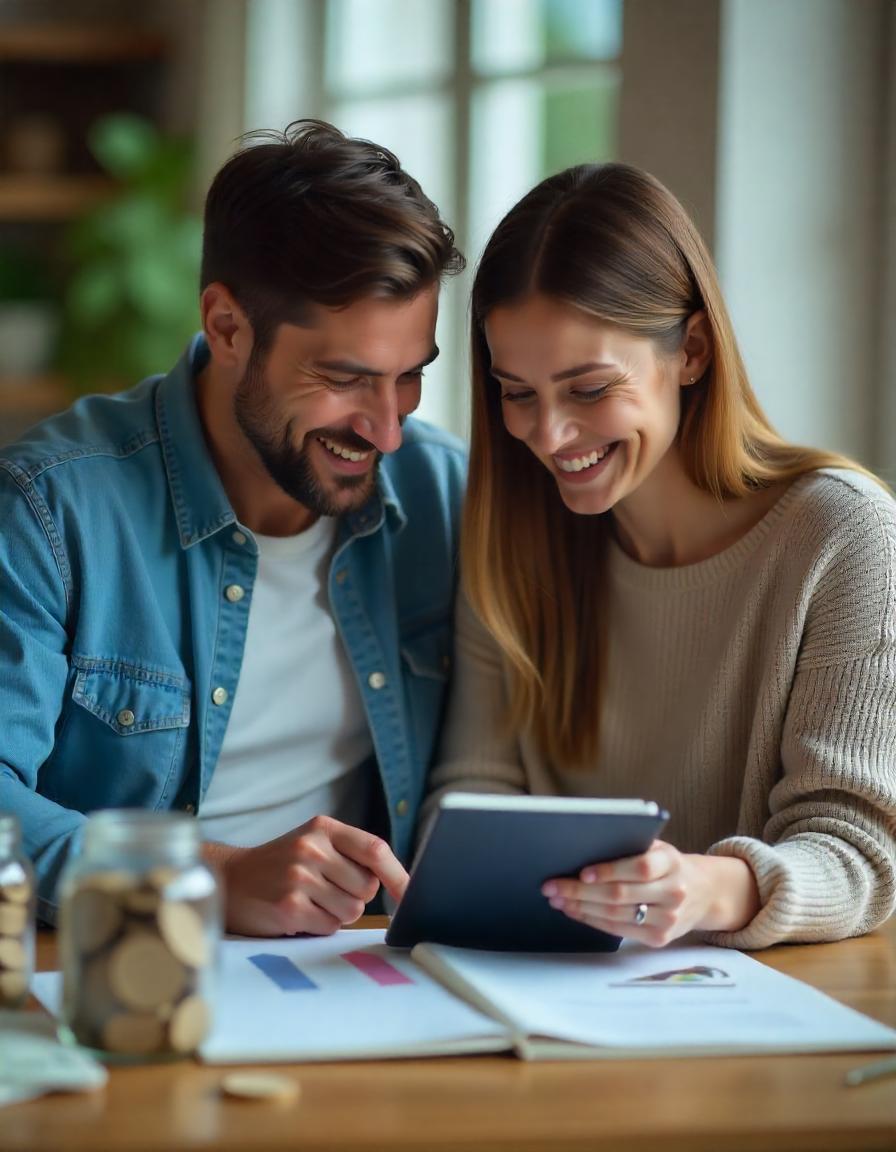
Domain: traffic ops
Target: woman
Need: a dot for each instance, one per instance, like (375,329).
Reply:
(664,598)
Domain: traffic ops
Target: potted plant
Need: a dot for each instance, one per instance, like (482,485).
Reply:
(132,297)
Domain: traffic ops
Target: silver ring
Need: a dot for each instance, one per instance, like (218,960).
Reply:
(640,913)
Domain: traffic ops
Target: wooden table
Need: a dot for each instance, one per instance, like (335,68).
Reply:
(772,1103)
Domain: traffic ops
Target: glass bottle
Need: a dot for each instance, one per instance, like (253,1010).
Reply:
(17,915)
(139,925)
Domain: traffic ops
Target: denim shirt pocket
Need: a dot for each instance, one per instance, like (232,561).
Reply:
(131,699)
(426,656)
(139,742)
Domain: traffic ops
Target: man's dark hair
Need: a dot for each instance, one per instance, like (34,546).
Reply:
(311,216)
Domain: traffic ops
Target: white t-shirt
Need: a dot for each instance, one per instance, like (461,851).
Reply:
(297,732)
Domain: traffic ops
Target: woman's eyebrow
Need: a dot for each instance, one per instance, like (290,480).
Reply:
(566,374)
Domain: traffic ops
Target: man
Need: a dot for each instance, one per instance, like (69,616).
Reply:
(228,591)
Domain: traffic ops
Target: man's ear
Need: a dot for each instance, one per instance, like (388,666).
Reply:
(696,349)
(226,327)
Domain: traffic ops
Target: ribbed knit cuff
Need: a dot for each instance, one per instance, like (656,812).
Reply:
(811,888)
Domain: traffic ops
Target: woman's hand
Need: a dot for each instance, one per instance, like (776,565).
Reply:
(676,892)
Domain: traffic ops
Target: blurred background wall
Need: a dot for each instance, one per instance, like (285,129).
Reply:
(773,120)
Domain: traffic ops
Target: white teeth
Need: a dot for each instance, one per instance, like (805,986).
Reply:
(580,462)
(345,453)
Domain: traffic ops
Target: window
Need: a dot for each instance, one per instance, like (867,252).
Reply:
(479,99)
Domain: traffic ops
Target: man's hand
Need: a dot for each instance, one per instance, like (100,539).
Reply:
(313,879)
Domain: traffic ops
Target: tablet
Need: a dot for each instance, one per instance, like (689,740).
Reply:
(476,882)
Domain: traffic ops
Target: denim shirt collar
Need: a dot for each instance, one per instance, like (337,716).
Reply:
(197,494)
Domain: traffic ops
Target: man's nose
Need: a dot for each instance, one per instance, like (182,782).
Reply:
(377,421)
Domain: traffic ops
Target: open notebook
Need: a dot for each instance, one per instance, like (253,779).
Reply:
(349,997)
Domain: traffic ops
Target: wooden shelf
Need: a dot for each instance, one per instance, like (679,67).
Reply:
(33,395)
(30,198)
(73,44)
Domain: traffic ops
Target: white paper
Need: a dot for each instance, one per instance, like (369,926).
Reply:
(678,999)
(32,1061)
(346,1015)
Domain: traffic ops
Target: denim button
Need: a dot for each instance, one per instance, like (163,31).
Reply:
(219,696)
(239,538)
(126,718)
(234,593)
(402,807)
(376,680)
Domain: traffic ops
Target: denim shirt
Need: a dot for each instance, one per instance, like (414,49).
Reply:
(120,649)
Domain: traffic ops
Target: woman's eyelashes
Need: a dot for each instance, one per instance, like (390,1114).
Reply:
(519,396)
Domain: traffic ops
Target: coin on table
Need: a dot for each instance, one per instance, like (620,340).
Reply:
(184,932)
(260,1086)
(142,972)
(12,919)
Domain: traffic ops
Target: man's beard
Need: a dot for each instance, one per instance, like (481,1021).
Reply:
(292,468)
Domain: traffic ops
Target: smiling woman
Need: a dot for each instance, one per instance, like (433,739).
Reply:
(664,598)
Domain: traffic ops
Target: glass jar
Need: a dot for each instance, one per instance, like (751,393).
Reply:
(139,925)
(17,914)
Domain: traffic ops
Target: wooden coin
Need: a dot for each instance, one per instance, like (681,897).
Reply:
(142,972)
(183,931)
(189,1024)
(95,918)
(260,1086)
(12,953)
(133,1032)
(16,893)
(162,876)
(88,995)
(13,986)
(112,881)
(142,901)
(13,918)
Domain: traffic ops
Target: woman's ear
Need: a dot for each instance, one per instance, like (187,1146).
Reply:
(696,349)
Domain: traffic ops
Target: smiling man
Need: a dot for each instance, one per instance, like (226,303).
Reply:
(229,591)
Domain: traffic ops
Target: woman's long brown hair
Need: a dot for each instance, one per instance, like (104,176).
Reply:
(612,241)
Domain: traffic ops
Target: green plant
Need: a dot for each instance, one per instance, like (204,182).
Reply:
(132,297)
(22,277)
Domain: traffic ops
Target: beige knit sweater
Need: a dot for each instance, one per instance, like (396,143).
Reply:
(753,695)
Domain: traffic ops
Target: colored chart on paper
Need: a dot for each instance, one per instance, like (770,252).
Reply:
(286,974)
(377,968)
(283,972)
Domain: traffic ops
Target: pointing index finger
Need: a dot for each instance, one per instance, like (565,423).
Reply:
(373,853)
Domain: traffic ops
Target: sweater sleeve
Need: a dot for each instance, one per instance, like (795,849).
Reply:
(477,750)
(826,863)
